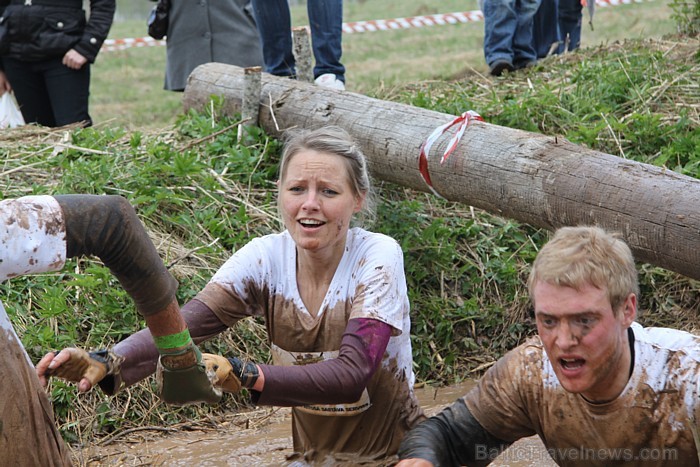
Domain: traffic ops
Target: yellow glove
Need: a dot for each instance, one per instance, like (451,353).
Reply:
(230,374)
(77,364)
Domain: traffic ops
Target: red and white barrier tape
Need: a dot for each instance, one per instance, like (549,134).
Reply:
(463,121)
(111,45)
(412,22)
(367,26)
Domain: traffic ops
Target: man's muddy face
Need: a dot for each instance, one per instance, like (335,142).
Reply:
(585,340)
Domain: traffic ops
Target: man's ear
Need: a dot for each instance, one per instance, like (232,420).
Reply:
(629,309)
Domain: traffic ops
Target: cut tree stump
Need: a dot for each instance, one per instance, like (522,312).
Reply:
(541,180)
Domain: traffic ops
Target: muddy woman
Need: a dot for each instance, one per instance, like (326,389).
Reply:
(334,300)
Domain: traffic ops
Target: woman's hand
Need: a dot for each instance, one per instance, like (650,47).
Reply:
(74,60)
(230,374)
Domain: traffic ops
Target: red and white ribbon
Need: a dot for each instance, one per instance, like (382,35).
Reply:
(439,19)
(463,122)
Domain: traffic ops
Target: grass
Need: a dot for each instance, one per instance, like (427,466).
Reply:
(127,86)
(203,195)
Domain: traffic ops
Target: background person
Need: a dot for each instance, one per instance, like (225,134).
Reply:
(335,307)
(508,34)
(38,234)
(326,24)
(562,35)
(598,388)
(46,54)
(221,31)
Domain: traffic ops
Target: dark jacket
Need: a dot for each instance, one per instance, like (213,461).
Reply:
(33,30)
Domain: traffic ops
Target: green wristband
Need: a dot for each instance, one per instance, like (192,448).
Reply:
(173,341)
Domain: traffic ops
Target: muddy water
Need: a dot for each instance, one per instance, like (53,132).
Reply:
(261,438)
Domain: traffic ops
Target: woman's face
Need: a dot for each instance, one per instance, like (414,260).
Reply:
(317,201)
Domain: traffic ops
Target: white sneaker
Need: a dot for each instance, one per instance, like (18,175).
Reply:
(329,80)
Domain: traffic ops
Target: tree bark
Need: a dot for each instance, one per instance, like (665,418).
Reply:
(541,180)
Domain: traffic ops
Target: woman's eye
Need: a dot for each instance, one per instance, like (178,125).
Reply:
(547,322)
(329,192)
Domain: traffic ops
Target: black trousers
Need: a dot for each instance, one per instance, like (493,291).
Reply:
(48,92)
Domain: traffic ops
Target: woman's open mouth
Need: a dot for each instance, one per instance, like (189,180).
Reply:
(310,223)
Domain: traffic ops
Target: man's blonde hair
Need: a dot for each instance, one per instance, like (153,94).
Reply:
(577,256)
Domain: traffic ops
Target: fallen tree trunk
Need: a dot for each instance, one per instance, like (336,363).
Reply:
(540,180)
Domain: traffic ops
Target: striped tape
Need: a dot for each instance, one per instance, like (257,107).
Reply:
(368,26)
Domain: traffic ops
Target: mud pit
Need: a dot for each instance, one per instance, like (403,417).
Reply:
(260,438)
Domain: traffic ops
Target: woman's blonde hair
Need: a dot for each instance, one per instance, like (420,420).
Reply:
(334,140)
(577,256)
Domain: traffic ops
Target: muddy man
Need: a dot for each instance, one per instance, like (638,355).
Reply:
(598,388)
(38,234)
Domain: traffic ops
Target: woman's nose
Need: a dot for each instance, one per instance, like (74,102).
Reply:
(311,202)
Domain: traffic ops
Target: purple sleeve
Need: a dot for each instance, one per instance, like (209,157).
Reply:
(336,381)
(140,353)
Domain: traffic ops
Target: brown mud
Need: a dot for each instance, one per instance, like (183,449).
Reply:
(259,438)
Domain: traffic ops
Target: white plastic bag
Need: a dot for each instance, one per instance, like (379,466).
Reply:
(10,116)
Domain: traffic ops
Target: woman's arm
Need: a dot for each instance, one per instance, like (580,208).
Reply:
(336,381)
(97,28)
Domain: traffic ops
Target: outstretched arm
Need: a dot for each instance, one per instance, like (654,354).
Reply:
(108,227)
(451,438)
(336,381)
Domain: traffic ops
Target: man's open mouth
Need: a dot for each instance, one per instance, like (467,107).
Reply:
(571,363)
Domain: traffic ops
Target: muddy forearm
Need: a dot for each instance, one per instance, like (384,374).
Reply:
(140,353)
(107,227)
(451,438)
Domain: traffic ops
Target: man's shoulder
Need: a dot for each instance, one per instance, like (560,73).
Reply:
(667,340)
(529,357)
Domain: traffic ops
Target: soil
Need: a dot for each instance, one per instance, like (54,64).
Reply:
(257,438)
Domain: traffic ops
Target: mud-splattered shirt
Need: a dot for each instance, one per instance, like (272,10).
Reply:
(31,240)
(653,422)
(260,280)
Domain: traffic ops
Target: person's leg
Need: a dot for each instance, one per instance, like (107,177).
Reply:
(499,28)
(69,92)
(570,18)
(524,53)
(30,91)
(326,22)
(275,27)
(545,30)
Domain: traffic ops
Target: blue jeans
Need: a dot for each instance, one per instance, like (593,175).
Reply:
(326,24)
(546,28)
(547,31)
(48,92)
(508,31)
(570,18)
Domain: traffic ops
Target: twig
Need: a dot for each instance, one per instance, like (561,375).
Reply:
(188,253)
(483,366)
(115,436)
(213,135)
(617,141)
(78,148)
(272,112)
